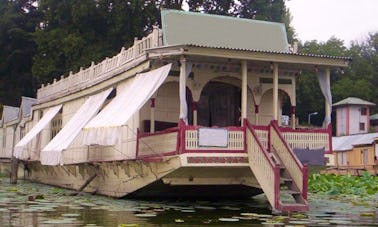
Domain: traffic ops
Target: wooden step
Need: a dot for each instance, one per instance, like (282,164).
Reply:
(297,207)
(290,192)
(285,180)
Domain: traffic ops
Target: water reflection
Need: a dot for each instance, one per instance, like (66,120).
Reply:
(29,204)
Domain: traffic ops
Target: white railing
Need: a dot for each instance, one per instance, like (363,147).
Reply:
(302,139)
(235,141)
(263,135)
(101,71)
(308,140)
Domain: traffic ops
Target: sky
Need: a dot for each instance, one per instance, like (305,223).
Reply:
(348,20)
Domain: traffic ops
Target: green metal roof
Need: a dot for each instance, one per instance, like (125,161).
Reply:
(374,117)
(353,101)
(188,28)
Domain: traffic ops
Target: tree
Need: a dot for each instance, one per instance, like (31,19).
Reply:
(17,23)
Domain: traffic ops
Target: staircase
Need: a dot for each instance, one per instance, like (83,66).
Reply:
(280,174)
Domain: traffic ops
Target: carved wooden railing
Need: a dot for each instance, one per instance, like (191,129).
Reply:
(299,138)
(265,170)
(262,133)
(309,138)
(101,71)
(297,171)
(190,142)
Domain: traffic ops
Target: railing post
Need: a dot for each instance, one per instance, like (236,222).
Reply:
(305,181)
(276,187)
(136,48)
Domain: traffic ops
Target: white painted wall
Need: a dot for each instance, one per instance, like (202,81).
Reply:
(341,121)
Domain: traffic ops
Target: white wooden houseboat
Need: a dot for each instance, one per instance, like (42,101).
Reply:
(192,109)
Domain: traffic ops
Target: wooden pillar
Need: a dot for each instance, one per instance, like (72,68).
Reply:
(327,104)
(292,111)
(152,120)
(244,90)
(182,90)
(275,91)
(195,112)
(293,104)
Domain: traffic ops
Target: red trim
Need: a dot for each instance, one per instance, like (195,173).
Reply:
(293,110)
(367,118)
(213,151)
(256,109)
(224,160)
(274,125)
(261,127)
(347,120)
(337,126)
(195,106)
(152,103)
(166,131)
(277,182)
(181,139)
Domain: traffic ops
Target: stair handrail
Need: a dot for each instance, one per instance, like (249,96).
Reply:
(272,195)
(301,176)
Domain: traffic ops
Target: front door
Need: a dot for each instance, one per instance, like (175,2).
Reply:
(219,105)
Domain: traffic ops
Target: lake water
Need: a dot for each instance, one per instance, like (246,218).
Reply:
(30,204)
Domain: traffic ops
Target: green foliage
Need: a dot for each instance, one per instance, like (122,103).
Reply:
(17,23)
(358,80)
(343,184)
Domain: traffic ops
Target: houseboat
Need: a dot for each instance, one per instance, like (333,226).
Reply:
(193,109)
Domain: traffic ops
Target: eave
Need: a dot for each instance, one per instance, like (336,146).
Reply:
(306,60)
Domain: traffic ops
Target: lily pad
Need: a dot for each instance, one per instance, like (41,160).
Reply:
(228,219)
(146,215)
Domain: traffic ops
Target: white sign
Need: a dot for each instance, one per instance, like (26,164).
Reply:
(212,137)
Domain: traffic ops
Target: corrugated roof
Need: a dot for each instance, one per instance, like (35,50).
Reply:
(374,117)
(344,143)
(26,105)
(270,52)
(180,27)
(10,113)
(353,101)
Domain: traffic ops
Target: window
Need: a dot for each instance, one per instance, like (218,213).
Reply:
(362,126)
(342,158)
(363,111)
(365,156)
(56,124)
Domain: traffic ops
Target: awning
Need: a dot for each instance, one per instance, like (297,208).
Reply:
(104,129)
(52,153)
(21,146)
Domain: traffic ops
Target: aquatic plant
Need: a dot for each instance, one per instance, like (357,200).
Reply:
(330,184)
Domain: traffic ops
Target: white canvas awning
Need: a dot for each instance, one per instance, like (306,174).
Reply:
(104,129)
(20,147)
(52,153)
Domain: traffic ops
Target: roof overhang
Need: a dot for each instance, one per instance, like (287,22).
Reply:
(305,60)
